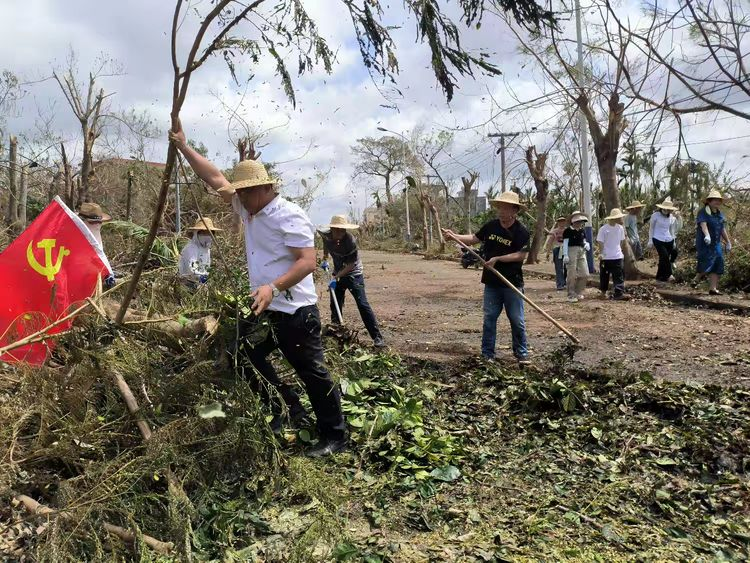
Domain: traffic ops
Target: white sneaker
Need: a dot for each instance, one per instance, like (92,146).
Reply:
(572,299)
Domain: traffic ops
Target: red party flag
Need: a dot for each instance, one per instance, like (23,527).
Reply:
(53,266)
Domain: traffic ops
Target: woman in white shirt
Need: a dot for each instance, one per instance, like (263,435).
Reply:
(663,227)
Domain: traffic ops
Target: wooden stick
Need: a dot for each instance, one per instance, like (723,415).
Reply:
(125,535)
(132,405)
(520,293)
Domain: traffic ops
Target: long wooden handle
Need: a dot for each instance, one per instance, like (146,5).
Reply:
(523,296)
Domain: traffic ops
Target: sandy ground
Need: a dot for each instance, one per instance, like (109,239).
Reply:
(433,309)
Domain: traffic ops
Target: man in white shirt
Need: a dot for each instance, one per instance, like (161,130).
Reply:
(94,217)
(279,241)
(611,239)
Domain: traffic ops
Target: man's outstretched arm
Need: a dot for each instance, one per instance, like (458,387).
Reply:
(204,168)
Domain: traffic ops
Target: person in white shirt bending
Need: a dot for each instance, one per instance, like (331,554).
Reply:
(195,258)
(662,233)
(281,257)
(611,239)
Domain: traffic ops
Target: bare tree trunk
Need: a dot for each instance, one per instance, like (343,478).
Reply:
(388,196)
(468,183)
(541,221)
(54,185)
(425,236)
(537,169)
(23,196)
(11,214)
(436,216)
(68,178)
(129,200)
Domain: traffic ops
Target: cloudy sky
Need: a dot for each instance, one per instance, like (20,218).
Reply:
(332,110)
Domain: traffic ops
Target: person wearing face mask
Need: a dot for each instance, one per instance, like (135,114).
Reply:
(281,257)
(506,246)
(663,227)
(195,258)
(94,217)
(348,273)
(710,233)
(575,247)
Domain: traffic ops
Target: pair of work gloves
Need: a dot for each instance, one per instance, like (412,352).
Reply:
(325,267)
(566,257)
(727,244)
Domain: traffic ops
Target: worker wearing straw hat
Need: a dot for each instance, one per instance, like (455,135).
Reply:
(610,239)
(94,218)
(575,247)
(711,232)
(506,245)
(555,241)
(348,273)
(631,227)
(195,258)
(664,225)
(281,257)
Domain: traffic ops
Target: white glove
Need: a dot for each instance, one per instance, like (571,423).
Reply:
(728,245)
(650,245)
(566,259)
(707,239)
(586,246)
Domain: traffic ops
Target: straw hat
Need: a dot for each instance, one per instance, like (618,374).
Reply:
(204,224)
(92,212)
(667,204)
(340,222)
(561,219)
(578,216)
(508,197)
(614,214)
(713,194)
(635,205)
(249,174)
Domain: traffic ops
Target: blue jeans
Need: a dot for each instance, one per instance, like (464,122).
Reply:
(561,271)
(356,284)
(495,298)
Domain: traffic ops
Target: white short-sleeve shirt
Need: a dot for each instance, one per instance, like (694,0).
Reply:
(611,236)
(269,236)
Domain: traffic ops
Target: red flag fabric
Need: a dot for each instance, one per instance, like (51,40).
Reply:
(52,266)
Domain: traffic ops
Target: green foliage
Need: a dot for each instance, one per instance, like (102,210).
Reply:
(164,250)
(389,422)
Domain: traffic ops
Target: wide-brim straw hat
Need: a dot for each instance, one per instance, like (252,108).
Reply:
(249,174)
(713,194)
(340,222)
(667,204)
(614,215)
(635,205)
(205,224)
(561,219)
(508,197)
(578,216)
(92,212)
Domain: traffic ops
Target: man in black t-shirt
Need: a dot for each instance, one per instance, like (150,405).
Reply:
(506,244)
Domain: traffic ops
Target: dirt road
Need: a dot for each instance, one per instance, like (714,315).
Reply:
(433,309)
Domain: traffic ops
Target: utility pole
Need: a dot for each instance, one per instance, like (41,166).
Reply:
(584,137)
(501,151)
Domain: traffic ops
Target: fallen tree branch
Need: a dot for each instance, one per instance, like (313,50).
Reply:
(128,536)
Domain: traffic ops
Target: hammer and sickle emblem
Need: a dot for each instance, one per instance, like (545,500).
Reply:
(50,269)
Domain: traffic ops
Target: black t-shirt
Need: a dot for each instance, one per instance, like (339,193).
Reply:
(574,236)
(343,252)
(499,241)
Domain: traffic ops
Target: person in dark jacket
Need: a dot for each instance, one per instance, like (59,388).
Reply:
(348,274)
